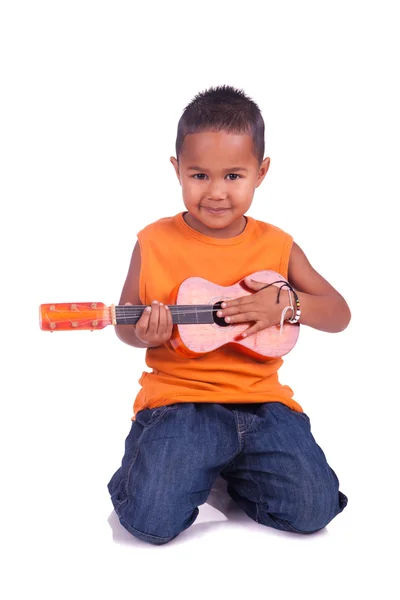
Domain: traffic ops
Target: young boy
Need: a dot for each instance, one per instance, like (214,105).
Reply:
(224,413)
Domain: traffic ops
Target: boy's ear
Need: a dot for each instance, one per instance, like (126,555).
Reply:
(176,167)
(263,170)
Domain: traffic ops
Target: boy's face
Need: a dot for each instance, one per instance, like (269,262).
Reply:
(219,173)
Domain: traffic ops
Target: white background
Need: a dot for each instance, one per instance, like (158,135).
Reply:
(91,96)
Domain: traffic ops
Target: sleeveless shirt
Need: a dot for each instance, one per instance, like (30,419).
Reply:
(172,251)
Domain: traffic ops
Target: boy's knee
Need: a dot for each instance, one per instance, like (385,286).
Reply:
(308,509)
(146,537)
(153,528)
(316,512)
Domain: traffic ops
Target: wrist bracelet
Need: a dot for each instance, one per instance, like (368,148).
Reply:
(291,302)
(296,311)
(296,317)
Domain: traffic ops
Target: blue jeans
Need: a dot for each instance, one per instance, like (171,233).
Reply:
(265,451)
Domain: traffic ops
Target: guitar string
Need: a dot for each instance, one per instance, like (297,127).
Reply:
(126,311)
(179,311)
(190,308)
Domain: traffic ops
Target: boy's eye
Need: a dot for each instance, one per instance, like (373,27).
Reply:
(202,176)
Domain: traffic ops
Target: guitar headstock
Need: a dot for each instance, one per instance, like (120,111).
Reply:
(74,316)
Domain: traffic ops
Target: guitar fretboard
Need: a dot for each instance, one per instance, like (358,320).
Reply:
(181,314)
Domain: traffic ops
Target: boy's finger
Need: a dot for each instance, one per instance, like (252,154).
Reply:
(251,330)
(143,322)
(242,318)
(243,300)
(170,322)
(154,319)
(162,326)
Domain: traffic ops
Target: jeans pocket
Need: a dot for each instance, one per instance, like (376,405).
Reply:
(154,415)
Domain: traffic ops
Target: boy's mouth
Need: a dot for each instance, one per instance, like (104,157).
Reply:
(215,211)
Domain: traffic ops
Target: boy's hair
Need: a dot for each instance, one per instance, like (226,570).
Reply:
(222,108)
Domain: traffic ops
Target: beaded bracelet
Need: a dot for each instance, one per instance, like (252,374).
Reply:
(296,317)
(297,313)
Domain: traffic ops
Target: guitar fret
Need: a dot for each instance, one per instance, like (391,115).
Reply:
(181,314)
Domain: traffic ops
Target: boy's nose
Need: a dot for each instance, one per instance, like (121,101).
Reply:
(217,192)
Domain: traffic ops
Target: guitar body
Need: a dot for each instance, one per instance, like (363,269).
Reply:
(194,340)
(197,329)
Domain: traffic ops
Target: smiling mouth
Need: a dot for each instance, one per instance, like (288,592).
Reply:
(215,210)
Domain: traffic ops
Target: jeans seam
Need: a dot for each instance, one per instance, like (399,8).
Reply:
(145,535)
(300,530)
(168,408)
(289,526)
(238,432)
(256,503)
(250,426)
(127,478)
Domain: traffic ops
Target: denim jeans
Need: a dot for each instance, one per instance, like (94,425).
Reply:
(266,452)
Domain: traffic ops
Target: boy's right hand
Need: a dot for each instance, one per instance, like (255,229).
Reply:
(155,325)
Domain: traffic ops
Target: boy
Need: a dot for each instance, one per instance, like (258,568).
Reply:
(224,413)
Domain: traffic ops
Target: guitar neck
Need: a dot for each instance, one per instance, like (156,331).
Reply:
(181,314)
(96,315)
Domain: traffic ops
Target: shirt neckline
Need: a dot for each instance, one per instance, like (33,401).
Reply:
(237,239)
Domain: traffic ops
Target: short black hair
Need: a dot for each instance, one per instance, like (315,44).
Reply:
(223,108)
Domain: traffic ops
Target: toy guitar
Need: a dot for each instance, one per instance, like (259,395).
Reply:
(197,329)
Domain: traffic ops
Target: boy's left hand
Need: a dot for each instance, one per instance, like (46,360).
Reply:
(260,308)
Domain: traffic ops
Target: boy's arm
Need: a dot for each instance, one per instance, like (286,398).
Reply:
(322,307)
(130,293)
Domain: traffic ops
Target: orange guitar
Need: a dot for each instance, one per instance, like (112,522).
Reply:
(197,329)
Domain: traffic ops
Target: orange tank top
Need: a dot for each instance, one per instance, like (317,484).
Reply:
(172,251)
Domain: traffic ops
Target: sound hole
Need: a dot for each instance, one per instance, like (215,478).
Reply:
(219,320)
